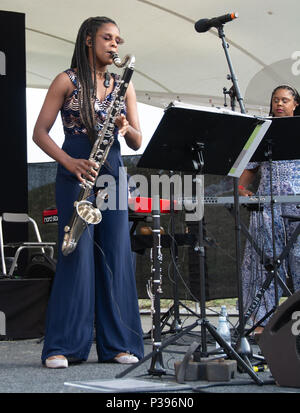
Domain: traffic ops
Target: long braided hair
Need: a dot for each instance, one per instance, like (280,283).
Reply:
(86,86)
(293,92)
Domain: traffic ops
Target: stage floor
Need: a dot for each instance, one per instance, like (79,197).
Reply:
(21,372)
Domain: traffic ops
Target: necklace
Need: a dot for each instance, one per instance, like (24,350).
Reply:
(106,76)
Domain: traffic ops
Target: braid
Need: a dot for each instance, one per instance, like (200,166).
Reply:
(86,87)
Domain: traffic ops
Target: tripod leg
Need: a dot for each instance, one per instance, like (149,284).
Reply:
(164,322)
(260,321)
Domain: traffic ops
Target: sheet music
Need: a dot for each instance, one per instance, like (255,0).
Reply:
(212,109)
(249,148)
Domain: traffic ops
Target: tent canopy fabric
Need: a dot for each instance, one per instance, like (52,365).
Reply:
(173,61)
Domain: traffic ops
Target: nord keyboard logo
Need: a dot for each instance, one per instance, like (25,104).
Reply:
(2,64)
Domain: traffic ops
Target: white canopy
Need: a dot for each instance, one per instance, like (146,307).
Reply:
(173,61)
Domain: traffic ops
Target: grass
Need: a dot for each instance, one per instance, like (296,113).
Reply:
(231,303)
(145,304)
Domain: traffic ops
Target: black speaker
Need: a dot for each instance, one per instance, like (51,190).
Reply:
(12,102)
(280,343)
(23,304)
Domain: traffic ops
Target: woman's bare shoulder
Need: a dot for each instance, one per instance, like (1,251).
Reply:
(62,84)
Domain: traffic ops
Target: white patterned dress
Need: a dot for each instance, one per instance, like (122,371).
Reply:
(286,181)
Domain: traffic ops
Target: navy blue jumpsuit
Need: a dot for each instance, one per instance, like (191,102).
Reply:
(94,288)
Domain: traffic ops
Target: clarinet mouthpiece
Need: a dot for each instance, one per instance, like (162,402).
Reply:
(116,58)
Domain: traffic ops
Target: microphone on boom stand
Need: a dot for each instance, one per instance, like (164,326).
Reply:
(203,25)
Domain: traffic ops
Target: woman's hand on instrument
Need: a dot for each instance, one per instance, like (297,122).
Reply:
(243,191)
(123,124)
(83,169)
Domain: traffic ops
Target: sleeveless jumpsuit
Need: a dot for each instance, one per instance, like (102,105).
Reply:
(94,288)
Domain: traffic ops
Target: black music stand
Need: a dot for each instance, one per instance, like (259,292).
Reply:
(281,138)
(183,128)
(207,141)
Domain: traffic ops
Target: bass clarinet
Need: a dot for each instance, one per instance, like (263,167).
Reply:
(84,212)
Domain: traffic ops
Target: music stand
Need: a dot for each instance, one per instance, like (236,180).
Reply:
(174,145)
(229,140)
(204,141)
(282,149)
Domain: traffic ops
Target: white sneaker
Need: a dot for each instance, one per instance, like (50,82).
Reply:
(126,359)
(56,362)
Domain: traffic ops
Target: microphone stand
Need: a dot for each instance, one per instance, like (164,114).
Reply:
(242,346)
(275,261)
(232,95)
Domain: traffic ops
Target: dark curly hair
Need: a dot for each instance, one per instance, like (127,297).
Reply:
(87,86)
(294,93)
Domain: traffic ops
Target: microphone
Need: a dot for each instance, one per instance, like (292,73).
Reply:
(203,25)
